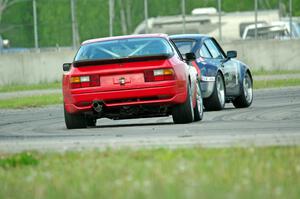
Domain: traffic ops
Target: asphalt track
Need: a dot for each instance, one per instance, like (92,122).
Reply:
(273,119)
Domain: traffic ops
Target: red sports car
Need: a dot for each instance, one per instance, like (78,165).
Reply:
(134,76)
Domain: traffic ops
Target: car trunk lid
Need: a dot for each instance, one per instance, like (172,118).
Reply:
(120,74)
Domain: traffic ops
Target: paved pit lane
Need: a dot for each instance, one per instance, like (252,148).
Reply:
(273,119)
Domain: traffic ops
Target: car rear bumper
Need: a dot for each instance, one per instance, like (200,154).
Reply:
(162,95)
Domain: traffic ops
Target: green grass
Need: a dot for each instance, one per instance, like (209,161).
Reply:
(22,159)
(31,101)
(57,85)
(274,72)
(12,88)
(276,83)
(154,173)
(43,100)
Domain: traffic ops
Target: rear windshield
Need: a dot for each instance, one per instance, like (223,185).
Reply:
(124,48)
(185,46)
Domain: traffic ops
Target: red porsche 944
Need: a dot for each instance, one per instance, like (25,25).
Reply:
(134,76)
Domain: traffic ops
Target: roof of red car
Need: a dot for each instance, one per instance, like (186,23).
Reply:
(123,37)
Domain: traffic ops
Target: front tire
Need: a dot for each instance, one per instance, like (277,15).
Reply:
(184,113)
(246,97)
(216,101)
(198,110)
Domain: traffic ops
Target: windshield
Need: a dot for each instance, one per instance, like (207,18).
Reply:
(185,46)
(124,48)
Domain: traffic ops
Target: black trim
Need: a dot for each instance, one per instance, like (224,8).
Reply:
(93,62)
(176,49)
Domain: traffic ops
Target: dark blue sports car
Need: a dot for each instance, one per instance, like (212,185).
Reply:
(224,79)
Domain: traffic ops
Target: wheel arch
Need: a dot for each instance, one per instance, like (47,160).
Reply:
(248,71)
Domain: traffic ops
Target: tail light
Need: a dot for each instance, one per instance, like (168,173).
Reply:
(159,75)
(85,81)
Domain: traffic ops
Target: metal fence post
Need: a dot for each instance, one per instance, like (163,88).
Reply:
(74,24)
(36,39)
(111,17)
(220,19)
(255,13)
(146,16)
(291,19)
(183,16)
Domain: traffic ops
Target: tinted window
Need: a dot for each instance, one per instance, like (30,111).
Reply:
(122,48)
(213,49)
(185,46)
(204,52)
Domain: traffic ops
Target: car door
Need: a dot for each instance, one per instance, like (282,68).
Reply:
(231,73)
(228,66)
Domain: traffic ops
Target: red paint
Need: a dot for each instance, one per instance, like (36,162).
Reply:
(126,83)
(139,83)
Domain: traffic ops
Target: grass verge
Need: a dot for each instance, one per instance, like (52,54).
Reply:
(31,101)
(12,88)
(276,83)
(57,85)
(154,173)
(43,100)
(274,72)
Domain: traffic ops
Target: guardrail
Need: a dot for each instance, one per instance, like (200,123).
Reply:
(46,66)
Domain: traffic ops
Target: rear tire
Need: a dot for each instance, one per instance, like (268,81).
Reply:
(184,113)
(246,97)
(216,101)
(198,110)
(74,121)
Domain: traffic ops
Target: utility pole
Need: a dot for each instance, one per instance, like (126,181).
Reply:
(36,39)
(220,20)
(74,24)
(146,16)
(255,10)
(279,8)
(183,16)
(111,17)
(291,17)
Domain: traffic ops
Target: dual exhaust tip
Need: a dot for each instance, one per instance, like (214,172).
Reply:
(98,106)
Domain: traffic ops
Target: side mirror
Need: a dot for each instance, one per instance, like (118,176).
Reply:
(231,54)
(66,66)
(190,56)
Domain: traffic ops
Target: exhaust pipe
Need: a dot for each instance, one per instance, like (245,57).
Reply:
(98,106)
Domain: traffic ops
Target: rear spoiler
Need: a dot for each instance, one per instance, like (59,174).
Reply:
(93,62)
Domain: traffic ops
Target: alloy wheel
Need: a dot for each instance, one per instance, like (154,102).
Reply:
(248,90)
(199,100)
(220,89)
